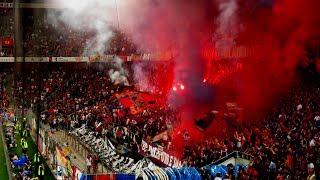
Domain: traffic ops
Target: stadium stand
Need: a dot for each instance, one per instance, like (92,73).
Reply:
(80,99)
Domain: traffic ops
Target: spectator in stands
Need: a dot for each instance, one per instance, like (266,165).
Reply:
(231,174)
(311,172)
(89,163)
(25,173)
(95,164)
(15,157)
(218,177)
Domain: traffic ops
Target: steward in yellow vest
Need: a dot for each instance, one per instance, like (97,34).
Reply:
(41,171)
(25,147)
(21,142)
(25,133)
(36,160)
(36,157)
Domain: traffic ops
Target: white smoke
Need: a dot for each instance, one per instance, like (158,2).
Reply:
(118,75)
(227,25)
(140,76)
(141,18)
(96,16)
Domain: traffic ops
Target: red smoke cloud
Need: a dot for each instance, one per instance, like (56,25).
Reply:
(279,33)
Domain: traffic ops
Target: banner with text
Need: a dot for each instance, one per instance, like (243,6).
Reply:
(102,58)
(69,59)
(158,153)
(6,5)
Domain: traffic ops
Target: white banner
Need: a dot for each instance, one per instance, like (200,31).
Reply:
(36,59)
(159,154)
(70,59)
(6,59)
(95,58)
(6,5)
(102,58)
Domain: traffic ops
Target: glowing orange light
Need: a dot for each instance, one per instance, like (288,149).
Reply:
(174,88)
(182,87)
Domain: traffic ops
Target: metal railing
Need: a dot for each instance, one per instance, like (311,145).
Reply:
(234,154)
(84,149)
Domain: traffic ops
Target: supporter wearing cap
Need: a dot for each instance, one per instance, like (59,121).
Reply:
(311,172)
(273,170)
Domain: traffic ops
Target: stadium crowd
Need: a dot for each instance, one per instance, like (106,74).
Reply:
(42,38)
(6,22)
(62,41)
(284,143)
(84,95)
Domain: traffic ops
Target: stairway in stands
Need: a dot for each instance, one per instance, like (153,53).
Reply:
(9,91)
